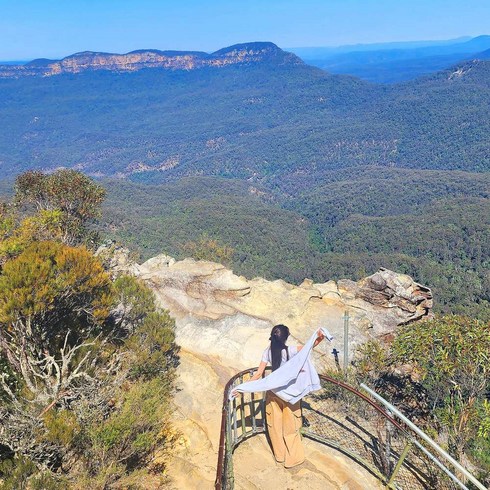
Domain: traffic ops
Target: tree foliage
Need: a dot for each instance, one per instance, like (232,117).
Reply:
(452,357)
(43,226)
(206,248)
(136,301)
(437,372)
(77,198)
(86,361)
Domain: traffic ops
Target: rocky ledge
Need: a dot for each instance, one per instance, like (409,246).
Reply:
(222,325)
(227,316)
(238,54)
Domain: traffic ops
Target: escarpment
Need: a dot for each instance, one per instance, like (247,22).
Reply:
(247,53)
(231,315)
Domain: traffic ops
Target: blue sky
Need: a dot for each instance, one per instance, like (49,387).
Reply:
(47,28)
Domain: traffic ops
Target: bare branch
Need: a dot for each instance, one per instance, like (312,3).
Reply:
(6,388)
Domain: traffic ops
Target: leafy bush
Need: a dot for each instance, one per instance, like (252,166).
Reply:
(152,346)
(437,371)
(86,362)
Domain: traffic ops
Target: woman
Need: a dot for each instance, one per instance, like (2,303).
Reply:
(283,419)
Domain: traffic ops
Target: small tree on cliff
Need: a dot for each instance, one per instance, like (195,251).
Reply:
(53,300)
(77,197)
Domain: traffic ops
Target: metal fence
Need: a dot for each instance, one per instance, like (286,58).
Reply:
(343,418)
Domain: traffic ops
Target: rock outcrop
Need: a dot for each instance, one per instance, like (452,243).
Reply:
(141,59)
(222,325)
(227,316)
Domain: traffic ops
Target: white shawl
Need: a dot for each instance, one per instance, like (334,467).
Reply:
(294,379)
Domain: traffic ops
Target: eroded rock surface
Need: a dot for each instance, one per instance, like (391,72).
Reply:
(229,317)
(223,323)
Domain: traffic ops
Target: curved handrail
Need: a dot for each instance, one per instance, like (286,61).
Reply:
(221,449)
(226,394)
(348,387)
(398,459)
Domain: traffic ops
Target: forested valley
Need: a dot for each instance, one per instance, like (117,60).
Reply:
(277,170)
(432,225)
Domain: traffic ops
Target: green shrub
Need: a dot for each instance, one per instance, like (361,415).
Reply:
(138,426)
(152,347)
(62,426)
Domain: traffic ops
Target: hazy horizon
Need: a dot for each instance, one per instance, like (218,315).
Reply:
(462,38)
(33,29)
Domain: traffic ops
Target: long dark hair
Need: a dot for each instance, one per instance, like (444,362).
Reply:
(279,335)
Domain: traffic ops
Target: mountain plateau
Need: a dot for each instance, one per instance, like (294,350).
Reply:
(238,54)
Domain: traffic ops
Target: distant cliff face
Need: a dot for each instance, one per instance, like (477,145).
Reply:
(137,60)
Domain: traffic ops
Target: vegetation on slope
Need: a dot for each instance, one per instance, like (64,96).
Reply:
(86,361)
(431,225)
(266,240)
(436,371)
(254,121)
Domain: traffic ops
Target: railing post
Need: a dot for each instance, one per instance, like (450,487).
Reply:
(242,413)
(389,433)
(228,473)
(346,341)
(234,420)
(252,412)
(399,463)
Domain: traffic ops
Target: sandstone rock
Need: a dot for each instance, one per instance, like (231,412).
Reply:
(227,316)
(158,262)
(116,258)
(223,323)
(324,469)
(248,53)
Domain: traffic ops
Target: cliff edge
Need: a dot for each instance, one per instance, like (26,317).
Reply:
(223,322)
(239,54)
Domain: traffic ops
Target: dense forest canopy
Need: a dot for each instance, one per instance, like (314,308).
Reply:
(432,225)
(250,121)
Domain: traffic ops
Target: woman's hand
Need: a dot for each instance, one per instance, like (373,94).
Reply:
(319,337)
(260,371)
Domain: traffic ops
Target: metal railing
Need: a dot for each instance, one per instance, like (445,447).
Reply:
(343,418)
(431,444)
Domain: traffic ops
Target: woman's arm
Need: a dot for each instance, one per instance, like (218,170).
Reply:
(260,371)
(319,338)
